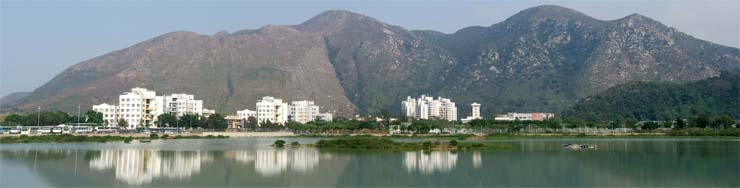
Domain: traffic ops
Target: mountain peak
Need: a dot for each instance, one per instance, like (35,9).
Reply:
(550,11)
(333,20)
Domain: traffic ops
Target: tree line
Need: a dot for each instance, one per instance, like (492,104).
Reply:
(52,118)
(214,121)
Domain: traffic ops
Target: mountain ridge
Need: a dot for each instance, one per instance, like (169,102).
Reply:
(543,58)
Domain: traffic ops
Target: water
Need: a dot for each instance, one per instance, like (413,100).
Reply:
(252,162)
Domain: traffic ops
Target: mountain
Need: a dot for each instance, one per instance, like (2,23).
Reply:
(545,58)
(541,59)
(13,97)
(662,100)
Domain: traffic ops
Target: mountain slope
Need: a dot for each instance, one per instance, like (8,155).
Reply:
(545,58)
(542,59)
(10,98)
(662,100)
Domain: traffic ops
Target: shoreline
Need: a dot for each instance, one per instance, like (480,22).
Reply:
(114,137)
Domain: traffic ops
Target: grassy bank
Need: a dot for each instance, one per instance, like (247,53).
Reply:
(68,138)
(387,144)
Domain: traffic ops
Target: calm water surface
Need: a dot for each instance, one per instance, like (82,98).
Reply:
(252,162)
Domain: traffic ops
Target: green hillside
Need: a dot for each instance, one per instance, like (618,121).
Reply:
(663,101)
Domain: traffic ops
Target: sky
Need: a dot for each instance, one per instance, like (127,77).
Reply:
(39,39)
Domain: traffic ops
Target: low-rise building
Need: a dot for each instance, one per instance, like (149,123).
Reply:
(325,117)
(234,122)
(208,112)
(530,116)
(474,113)
(110,113)
(246,113)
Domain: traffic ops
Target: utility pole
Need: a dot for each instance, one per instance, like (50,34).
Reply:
(38,117)
(78,114)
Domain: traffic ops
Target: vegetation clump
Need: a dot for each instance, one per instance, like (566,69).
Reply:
(295,144)
(706,132)
(279,143)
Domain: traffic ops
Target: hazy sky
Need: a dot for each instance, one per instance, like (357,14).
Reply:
(42,38)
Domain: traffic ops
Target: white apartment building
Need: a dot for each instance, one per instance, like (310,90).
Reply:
(408,107)
(140,107)
(475,113)
(246,113)
(272,109)
(303,111)
(426,107)
(110,113)
(181,104)
(446,109)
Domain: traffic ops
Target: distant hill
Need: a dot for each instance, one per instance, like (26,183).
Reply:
(543,58)
(10,98)
(663,101)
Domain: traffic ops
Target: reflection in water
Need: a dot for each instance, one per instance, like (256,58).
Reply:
(142,166)
(443,161)
(477,162)
(268,162)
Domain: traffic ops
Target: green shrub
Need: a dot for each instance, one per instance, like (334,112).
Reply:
(153,136)
(165,136)
(427,144)
(127,140)
(279,143)
(453,142)
(295,144)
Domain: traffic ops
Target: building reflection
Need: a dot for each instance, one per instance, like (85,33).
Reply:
(134,166)
(269,162)
(477,161)
(427,163)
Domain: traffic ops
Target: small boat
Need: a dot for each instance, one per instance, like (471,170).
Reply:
(145,140)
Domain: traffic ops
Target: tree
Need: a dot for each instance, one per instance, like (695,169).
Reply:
(15,119)
(723,122)
(279,143)
(166,120)
(217,121)
(189,120)
(616,124)
(701,121)
(553,123)
(267,124)
(122,123)
(93,117)
(680,124)
(650,125)
(252,123)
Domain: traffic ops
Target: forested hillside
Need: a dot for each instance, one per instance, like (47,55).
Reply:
(663,101)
